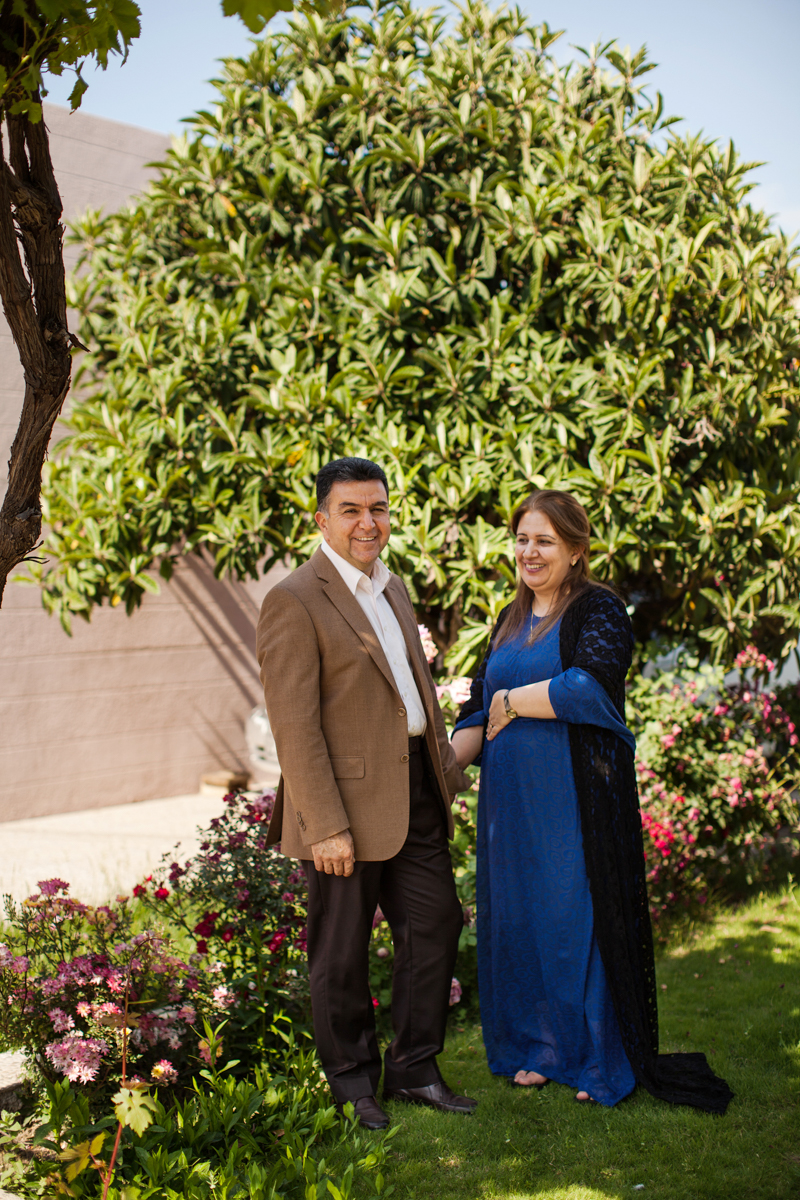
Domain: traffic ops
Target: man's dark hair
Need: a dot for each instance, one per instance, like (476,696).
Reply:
(346,470)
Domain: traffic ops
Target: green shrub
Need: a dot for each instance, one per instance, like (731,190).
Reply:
(439,248)
(274,1134)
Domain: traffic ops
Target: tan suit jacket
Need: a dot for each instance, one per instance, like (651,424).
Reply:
(339,722)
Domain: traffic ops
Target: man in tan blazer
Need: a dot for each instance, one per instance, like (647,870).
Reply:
(364,797)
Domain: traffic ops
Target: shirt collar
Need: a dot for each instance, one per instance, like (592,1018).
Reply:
(352,576)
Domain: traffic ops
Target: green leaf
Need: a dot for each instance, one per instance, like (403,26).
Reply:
(255,13)
(134,1109)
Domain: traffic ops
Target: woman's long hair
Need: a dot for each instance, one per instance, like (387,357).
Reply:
(571,524)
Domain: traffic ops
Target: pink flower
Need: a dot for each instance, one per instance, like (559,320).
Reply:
(205,1050)
(161,893)
(163,1072)
(19,964)
(455,991)
(62,1021)
(459,689)
(223,997)
(77,1057)
(107,1008)
(428,644)
(187,1013)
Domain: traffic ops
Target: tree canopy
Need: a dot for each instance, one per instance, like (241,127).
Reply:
(39,38)
(488,272)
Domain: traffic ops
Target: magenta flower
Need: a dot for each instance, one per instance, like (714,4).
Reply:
(51,887)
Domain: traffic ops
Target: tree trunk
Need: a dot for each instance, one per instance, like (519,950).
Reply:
(33,294)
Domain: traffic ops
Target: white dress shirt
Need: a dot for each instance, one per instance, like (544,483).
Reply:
(368,591)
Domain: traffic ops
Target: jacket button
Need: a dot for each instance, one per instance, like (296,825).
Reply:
(403,758)
(401,712)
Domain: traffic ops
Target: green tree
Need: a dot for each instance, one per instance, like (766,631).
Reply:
(37,38)
(446,252)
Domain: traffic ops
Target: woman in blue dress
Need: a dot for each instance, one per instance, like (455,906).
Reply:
(566,972)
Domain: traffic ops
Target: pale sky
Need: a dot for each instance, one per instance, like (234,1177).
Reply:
(728,67)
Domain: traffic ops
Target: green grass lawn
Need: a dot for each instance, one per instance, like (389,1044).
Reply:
(732,990)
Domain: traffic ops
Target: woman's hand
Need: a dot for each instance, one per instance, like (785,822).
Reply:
(532,700)
(497,716)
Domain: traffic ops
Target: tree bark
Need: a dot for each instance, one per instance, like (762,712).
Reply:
(33,294)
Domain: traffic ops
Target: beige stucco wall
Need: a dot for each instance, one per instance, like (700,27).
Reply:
(129,708)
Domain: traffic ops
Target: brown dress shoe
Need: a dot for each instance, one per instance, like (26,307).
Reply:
(369,1112)
(435,1095)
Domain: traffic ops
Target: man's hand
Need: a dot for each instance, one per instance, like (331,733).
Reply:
(335,855)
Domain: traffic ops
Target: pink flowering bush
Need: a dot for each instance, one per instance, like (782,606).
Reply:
(74,979)
(716,767)
(243,905)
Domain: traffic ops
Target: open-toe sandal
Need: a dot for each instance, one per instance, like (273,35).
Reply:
(528,1087)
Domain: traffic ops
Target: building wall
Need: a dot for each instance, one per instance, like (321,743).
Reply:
(128,708)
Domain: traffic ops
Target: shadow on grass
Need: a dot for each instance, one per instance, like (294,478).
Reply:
(733,992)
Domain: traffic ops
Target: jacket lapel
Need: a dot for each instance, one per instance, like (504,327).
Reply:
(396,594)
(337,592)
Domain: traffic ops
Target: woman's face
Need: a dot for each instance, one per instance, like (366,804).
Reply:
(543,559)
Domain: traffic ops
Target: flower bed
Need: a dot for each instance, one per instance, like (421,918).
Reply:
(76,981)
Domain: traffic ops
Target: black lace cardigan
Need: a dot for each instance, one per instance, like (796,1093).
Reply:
(595,635)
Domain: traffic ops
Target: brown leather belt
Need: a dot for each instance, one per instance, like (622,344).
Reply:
(415,745)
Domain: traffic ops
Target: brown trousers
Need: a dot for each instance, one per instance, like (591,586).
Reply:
(417,895)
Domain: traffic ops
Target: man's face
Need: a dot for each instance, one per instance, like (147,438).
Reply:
(356,524)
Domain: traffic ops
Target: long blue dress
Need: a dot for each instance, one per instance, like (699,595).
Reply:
(545,1002)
